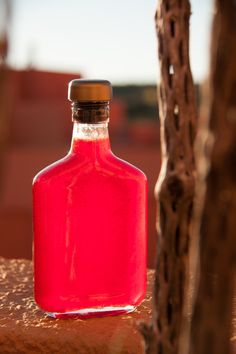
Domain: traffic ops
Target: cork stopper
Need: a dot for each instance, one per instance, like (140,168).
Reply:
(80,90)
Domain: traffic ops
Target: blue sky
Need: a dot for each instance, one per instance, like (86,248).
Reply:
(107,39)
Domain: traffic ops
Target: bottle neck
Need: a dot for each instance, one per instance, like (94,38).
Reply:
(90,132)
(90,112)
(90,139)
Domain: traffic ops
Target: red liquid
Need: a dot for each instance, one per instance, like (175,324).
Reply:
(89,231)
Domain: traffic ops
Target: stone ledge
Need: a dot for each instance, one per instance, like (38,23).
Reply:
(26,329)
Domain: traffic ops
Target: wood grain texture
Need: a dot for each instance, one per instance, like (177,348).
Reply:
(176,182)
(212,315)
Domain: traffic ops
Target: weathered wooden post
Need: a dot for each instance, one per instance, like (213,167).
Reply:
(176,182)
(212,315)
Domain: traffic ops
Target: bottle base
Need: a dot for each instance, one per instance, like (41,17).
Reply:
(93,312)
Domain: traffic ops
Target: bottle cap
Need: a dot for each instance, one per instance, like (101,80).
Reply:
(89,90)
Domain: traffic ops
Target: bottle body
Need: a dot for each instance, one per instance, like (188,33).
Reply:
(90,229)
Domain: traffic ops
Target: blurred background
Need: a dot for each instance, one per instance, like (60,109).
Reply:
(45,44)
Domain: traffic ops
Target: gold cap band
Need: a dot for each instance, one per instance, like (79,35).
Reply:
(89,90)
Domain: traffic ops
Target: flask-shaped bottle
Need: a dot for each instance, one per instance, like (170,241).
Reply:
(89,219)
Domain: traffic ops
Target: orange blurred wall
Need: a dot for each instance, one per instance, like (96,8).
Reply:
(39,132)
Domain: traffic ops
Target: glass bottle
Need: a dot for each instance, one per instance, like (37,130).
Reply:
(89,219)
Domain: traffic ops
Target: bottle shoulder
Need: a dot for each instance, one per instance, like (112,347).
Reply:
(77,166)
(127,167)
(54,169)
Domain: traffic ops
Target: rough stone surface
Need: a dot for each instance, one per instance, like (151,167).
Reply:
(24,328)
